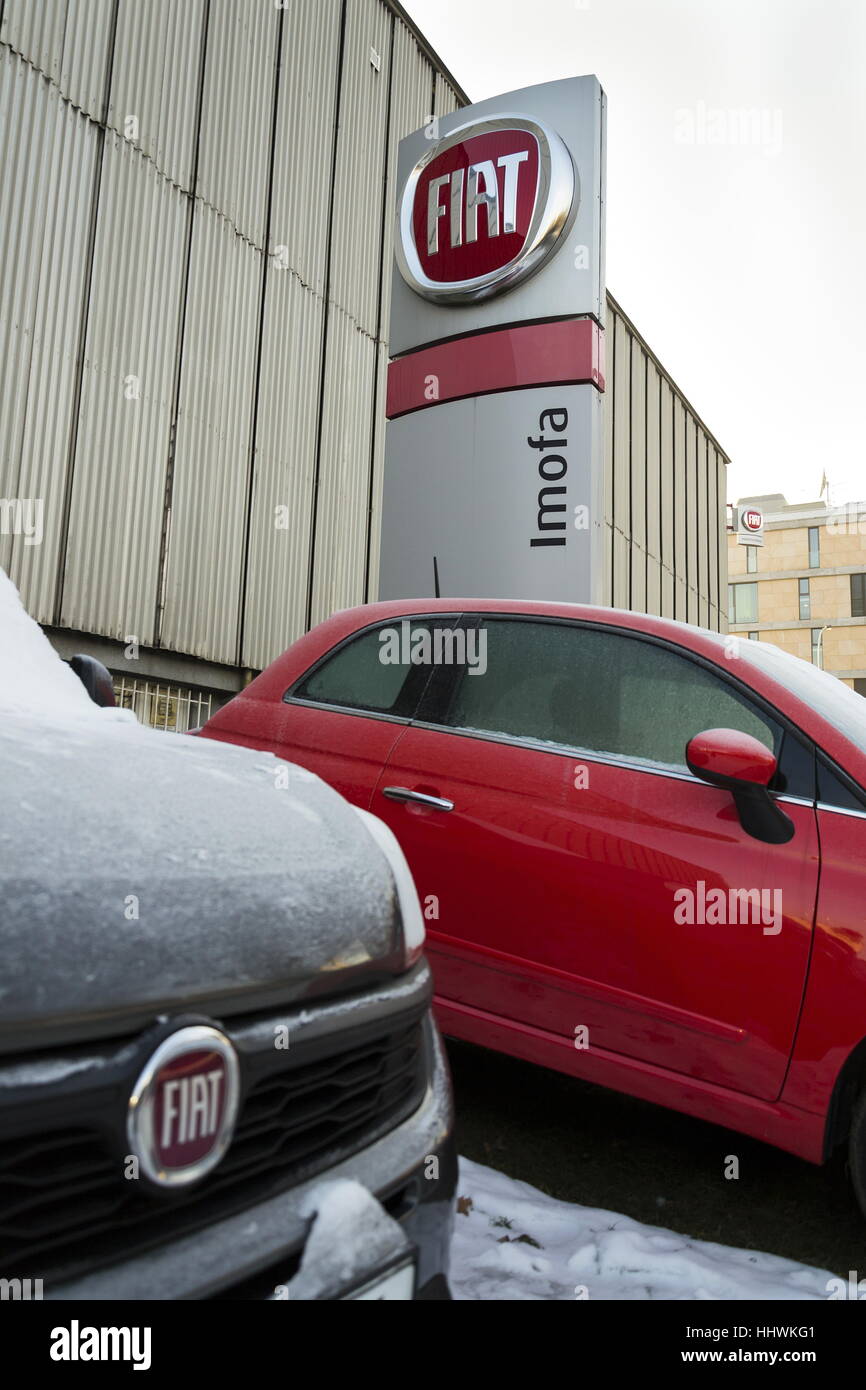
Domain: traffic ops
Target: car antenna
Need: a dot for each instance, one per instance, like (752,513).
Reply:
(436,593)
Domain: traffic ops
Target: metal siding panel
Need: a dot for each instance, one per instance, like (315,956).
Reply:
(411,86)
(638,444)
(679,438)
(702,527)
(155,78)
(351,368)
(446,99)
(377,480)
(667,495)
(35,30)
(275,601)
(208,516)
(607,456)
(360,169)
(691,499)
(637,596)
(237,113)
(721,499)
(607,562)
(86,54)
(667,596)
(620,589)
(653,487)
(637,477)
(622,460)
(712,538)
(47,168)
(279,555)
(306,115)
(608,414)
(341,515)
(118,490)
(653,585)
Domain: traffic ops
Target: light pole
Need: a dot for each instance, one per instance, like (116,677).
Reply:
(821,646)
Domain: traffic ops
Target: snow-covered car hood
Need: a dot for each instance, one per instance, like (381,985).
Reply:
(143,871)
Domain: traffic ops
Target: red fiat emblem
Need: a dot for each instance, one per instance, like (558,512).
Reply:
(752,520)
(483,208)
(183,1107)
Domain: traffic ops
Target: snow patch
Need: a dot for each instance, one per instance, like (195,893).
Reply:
(513,1242)
(351,1233)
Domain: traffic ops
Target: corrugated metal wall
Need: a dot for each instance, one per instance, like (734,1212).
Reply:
(195,254)
(664,490)
(193,308)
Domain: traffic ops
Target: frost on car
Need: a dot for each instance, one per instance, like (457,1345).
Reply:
(213,1002)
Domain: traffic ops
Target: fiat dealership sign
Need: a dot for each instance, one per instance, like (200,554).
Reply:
(494,445)
(182,1111)
(483,208)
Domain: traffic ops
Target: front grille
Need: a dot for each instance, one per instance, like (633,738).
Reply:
(64,1209)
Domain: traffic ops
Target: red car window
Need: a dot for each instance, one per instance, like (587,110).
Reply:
(600,691)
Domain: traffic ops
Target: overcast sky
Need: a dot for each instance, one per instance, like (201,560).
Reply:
(736,242)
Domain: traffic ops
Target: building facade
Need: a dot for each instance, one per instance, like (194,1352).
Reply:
(804,590)
(195,253)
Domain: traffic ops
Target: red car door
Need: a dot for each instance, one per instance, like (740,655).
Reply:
(584,879)
(344,714)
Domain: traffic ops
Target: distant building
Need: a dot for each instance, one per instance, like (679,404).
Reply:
(804,590)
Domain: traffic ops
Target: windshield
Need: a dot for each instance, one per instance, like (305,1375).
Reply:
(826,694)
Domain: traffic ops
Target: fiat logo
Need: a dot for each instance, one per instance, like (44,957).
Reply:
(484,208)
(753,521)
(184,1105)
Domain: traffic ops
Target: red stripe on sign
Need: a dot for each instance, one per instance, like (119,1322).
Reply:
(533,354)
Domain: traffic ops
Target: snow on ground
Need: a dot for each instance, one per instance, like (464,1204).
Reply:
(513,1242)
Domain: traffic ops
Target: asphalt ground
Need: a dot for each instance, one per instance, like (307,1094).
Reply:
(581,1143)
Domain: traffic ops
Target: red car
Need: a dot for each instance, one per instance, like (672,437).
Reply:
(640,846)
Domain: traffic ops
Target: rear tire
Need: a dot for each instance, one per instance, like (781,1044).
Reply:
(857,1151)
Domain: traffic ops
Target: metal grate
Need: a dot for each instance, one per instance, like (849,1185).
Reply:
(65,1208)
(177,708)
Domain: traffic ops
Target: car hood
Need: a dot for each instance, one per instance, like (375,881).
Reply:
(142,872)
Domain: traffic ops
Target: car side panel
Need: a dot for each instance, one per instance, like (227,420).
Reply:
(556,905)
(346,750)
(834,1010)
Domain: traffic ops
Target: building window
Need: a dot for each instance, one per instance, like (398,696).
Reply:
(814,547)
(858,595)
(753,637)
(742,603)
(860,685)
(816,646)
(751,559)
(176,708)
(805,600)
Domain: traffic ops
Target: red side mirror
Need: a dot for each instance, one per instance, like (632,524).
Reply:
(743,766)
(723,756)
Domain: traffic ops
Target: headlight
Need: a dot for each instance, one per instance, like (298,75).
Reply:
(407,896)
